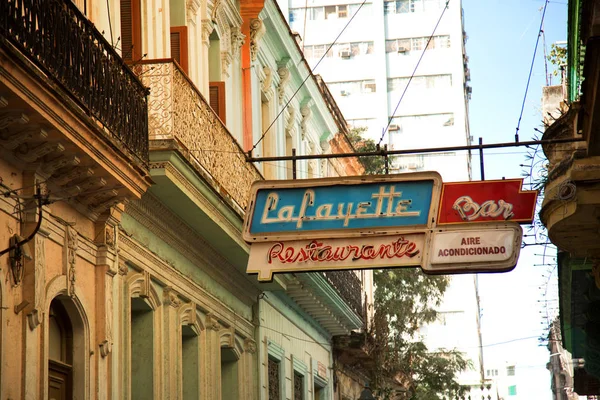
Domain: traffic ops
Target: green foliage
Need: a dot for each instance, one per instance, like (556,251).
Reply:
(557,57)
(373,165)
(405,299)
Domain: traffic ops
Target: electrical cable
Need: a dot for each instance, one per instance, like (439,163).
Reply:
(531,70)
(310,74)
(413,73)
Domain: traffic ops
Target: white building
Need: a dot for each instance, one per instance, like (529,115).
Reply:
(367,69)
(370,64)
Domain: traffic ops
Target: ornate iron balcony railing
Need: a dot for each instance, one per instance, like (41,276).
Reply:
(349,286)
(65,46)
(177,110)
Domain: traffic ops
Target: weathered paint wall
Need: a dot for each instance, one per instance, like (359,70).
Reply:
(298,344)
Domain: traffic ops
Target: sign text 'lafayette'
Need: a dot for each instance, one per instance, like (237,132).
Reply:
(341,207)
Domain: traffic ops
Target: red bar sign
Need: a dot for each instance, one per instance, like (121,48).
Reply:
(486,201)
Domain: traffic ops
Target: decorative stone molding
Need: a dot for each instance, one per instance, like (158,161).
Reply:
(39,272)
(33,319)
(306,112)
(212,322)
(170,297)
(249,346)
(284,77)
(268,80)
(237,41)
(325,146)
(290,128)
(226,60)
(215,9)
(257,31)
(110,236)
(207,28)
(105,348)
(192,7)
(187,314)
(71,245)
(123,269)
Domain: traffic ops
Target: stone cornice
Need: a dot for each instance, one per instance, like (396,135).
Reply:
(165,275)
(152,214)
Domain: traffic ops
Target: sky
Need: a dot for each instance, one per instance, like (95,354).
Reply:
(501,40)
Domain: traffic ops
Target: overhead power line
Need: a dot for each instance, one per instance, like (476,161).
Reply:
(306,78)
(540,32)
(413,73)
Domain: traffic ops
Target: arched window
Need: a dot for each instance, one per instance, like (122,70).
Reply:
(60,353)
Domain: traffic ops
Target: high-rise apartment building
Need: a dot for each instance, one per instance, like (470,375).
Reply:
(375,72)
(394,70)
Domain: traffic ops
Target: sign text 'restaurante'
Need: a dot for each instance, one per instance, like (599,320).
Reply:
(365,206)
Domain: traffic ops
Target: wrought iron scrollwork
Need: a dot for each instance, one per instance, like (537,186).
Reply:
(65,45)
(349,287)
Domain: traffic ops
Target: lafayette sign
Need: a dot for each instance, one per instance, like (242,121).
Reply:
(385,221)
(341,207)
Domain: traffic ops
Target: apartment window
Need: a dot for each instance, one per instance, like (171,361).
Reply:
(442,42)
(405,46)
(510,370)
(131,30)
(512,390)
(369,87)
(60,353)
(403,6)
(417,43)
(298,386)
(274,380)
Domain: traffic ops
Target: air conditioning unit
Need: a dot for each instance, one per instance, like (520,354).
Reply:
(344,93)
(345,54)
(402,49)
(394,127)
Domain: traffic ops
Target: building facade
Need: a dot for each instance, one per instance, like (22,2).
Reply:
(571,200)
(375,72)
(124,129)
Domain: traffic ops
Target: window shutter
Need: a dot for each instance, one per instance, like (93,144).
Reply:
(131,32)
(217,98)
(179,46)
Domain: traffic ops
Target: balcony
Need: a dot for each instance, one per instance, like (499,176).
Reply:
(66,47)
(572,191)
(180,118)
(70,109)
(349,287)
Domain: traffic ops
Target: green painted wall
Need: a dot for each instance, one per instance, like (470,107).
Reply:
(181,264)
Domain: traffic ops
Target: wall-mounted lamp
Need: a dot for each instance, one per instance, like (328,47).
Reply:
(18,254)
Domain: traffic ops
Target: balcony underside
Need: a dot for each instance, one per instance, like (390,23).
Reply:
(43,132)
(316,296)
